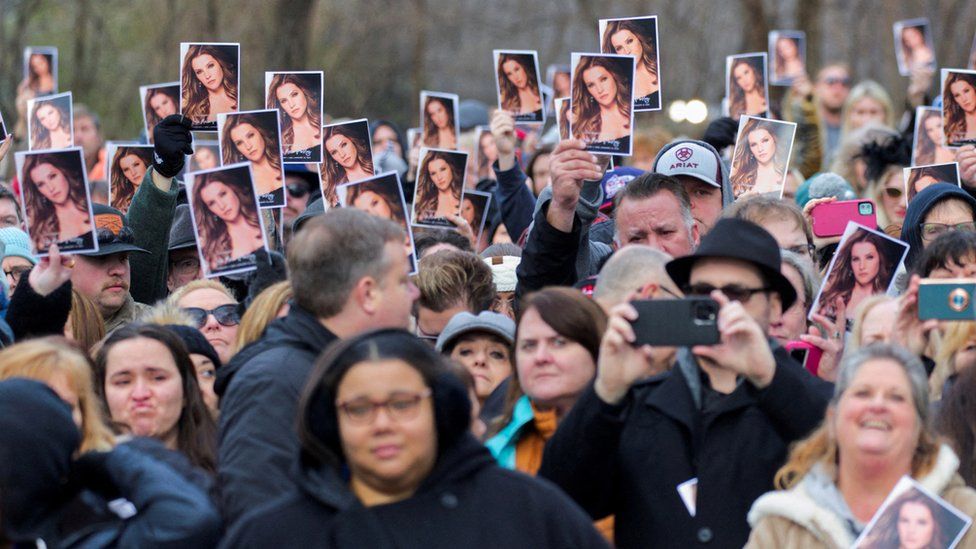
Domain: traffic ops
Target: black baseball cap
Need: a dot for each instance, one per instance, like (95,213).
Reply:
(114,234)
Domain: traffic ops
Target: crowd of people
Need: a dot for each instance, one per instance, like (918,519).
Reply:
(487,384)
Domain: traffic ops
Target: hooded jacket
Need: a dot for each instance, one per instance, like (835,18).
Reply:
(259,390)
(727,196)
(928,198)
(796,518)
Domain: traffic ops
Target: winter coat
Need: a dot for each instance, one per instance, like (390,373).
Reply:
(466,501)
(628,459)
(259,390)
(515,199)
(149,216)
(49,499)
(792,518)
(33,315)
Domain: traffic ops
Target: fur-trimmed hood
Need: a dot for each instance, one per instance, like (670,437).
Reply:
(797,506)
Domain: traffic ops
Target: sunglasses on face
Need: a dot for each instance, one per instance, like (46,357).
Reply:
(893,192)
(732,291)
(834,80)
(297,191)
(226,315)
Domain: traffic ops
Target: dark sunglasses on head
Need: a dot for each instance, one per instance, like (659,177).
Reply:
(226,315)
(297,191)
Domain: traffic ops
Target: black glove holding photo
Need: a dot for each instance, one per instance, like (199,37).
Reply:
(172,142)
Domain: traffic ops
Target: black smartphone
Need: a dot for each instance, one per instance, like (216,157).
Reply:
(676,322)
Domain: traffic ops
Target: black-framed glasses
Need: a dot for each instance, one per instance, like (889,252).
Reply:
(931,231)
(731,291)
(226,315)
(15,273)
(401,406)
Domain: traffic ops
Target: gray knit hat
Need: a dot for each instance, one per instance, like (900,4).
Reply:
(486,321)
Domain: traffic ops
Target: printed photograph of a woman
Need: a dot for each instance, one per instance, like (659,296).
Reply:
(41,70)
(864,265)
(209,82)
(51,125)
(917,178)
(761,157)
(518,85)
(298,98)
(158,102)
(636,37)
(601,113)
(745,77)
(126,171)
(913,45)
(928,148)
(225,216)
(348,155)
(206,156)
(959,107)
(439,120)
(253,136)
(56,200)
(914,519)
(787,51)
(440,182)
(381,196)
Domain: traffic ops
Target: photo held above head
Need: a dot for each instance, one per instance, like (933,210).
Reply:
(637,37)
(601,105)
(298,97)
(209,82)
(439,188)
(439,120)
(255,136)
(745,85)
(518,85)
(348,155)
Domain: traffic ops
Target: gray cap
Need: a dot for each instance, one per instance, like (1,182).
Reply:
(181,231)
(486,321)
(690,159)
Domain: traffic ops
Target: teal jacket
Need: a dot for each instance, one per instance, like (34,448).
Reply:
(502,445)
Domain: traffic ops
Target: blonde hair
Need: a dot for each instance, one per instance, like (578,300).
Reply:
(954,339)
(87,323)
(166,312)
(876,191)
(857,332)
(262,311)
(202,284)
(44,358)
(867,89)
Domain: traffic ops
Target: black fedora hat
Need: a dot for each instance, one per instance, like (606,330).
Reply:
(742,240)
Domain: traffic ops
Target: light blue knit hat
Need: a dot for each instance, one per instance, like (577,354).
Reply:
(17,244)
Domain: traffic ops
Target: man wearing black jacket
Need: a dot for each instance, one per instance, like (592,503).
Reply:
(349,274)
(679,458)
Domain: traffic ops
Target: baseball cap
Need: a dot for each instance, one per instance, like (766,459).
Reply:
(613,181)
(114,234)
(692,159)
(485,321)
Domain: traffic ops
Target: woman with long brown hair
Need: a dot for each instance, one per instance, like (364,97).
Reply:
(226,217)
(50,125)
(959,108)
(758,166)
(439,123)
(348,157)
(438,194)
(160,102)
(299,103)
(928,139)
(252,137)
(747,87)
(631,37)
(602,101)
(129,167)
(208,82)
(56,201)
(40,73)
(861,269)
(518,85)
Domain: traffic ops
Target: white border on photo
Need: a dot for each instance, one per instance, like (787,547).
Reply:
(897,27)
(191,181)
(729,60)
(19,159)
(342,192)
(184,46)
(524,118)
(32,105)
(780,129)
(484,214)
(143,90)
(617,150)
(456,102)
(945,137)
(771,57)
(903,485)
(602,26)
(197,145)
(907,174)
(292,158)
(853,227)
(424,151)
(222,121)
(326,158)
(111,147)
(45,50)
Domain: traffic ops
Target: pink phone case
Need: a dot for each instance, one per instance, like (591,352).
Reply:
(831,219)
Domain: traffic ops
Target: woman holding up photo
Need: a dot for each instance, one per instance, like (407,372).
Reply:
(861,269)
(209,82)
(50,127)
(438,188)
(160,103)
(439,123)
(601,101)
(226,217)
(128,169)
(959,106)
(248,137)
(56,203)
(301,120)
(519,85)
(626,37)
(759,167)
(747,88)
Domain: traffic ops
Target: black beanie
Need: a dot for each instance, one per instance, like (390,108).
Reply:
(195,342)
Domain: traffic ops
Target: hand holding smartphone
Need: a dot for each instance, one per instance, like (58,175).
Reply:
(831,218)
(683,322)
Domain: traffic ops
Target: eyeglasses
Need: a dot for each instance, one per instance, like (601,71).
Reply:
(297,191)
(893,192)
(401,406)
(226,315)
(802,249)
(185,266)
(834,80)
(931,231)
(16,272)
(732,291)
